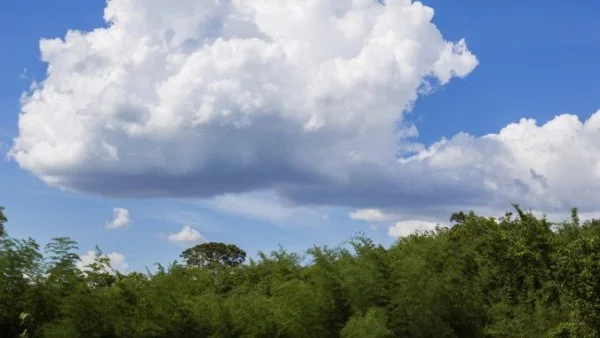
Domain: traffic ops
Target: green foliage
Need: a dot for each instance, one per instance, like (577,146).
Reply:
(517,276)
(19,267)
(578,272)
(212,255)
(371,325)
(3,220)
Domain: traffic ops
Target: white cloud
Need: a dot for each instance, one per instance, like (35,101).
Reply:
(378,219)
(86,259)
(408,227)
(117,261)
(204,98)
(549,167)
(121,219)
(299,98)
(371,215)
(187,235)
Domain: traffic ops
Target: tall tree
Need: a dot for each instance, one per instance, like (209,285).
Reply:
(19,269)
(62,252)
(211,255)
(578,273)
(3,220)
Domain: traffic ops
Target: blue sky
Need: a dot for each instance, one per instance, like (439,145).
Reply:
(534,60)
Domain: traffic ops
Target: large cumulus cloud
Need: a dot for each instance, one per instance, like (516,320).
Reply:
(301,97)
(200,98)
(304,98)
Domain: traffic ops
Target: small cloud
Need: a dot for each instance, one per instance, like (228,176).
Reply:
(406,228)
(187,235)
(121,219)
(117,261)
(23,75)
(371,215)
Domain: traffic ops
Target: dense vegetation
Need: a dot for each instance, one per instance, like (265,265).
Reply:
(518,276)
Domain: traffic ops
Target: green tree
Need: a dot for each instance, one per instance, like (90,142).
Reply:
(212,255)
(98,272)
(578,274)
(372,325)
(434,293)
(20,262)
(516,276)
(3,221)
(62,252)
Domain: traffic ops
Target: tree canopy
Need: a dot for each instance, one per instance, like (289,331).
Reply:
(213,254)
(3,220)
(516,276)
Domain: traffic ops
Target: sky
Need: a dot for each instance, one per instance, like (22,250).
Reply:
(146,127)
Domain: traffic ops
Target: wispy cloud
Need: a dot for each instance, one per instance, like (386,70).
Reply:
(253,206)
(24,74)
(269,207)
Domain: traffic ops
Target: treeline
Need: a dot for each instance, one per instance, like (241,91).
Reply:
(517,276)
